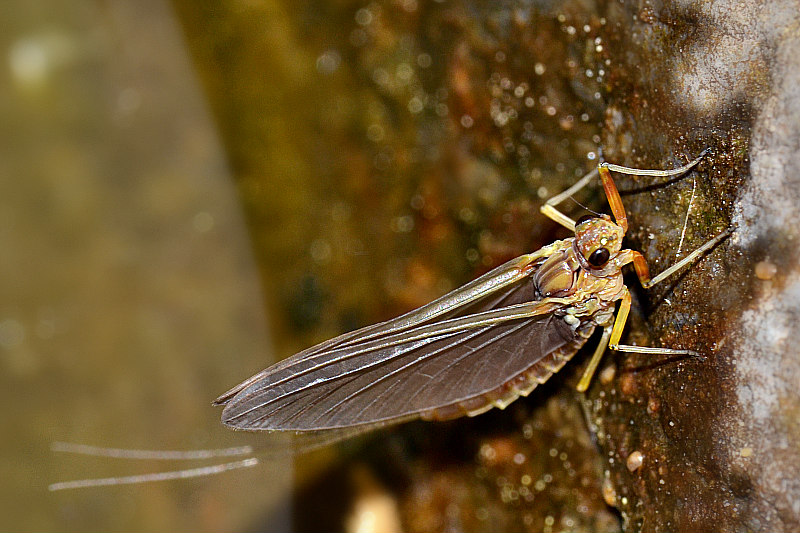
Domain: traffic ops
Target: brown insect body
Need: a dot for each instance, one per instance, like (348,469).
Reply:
(480,346)
(591,293)
(563,291)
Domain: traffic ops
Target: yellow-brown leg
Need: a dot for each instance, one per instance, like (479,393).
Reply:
(619,325)
(586,378)
(640,265)
(610,188)
(611,337)
(549,208)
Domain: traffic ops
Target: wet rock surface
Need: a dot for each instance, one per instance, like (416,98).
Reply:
(712,433)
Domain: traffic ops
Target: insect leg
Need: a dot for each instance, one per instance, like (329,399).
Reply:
(643,272)
(611,338)
(656,173)
(549,210)
(619,325)
(640,264)
(586,378)
(610,188)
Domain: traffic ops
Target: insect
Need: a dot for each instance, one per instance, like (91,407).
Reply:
(481,346)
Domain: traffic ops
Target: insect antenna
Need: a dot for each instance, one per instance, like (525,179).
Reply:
(592,211)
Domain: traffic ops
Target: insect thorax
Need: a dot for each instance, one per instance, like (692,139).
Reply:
(556,277)
(592,297)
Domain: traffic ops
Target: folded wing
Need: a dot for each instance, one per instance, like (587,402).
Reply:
(450,352)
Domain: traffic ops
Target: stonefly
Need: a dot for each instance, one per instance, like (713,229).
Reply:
(480,346)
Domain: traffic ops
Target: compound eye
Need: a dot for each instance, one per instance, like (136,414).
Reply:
(583,219)
(599,257)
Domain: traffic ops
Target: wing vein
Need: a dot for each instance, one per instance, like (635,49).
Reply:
(419,337)
(408,365)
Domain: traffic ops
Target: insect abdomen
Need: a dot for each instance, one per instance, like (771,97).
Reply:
(520,385)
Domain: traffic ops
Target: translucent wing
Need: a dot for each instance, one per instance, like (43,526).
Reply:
(492,282)
(458,355)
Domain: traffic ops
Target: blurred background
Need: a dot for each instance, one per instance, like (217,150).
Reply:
(130,294)
(193,190)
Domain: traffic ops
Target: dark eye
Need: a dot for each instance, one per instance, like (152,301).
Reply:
(599,257)
(583,219)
